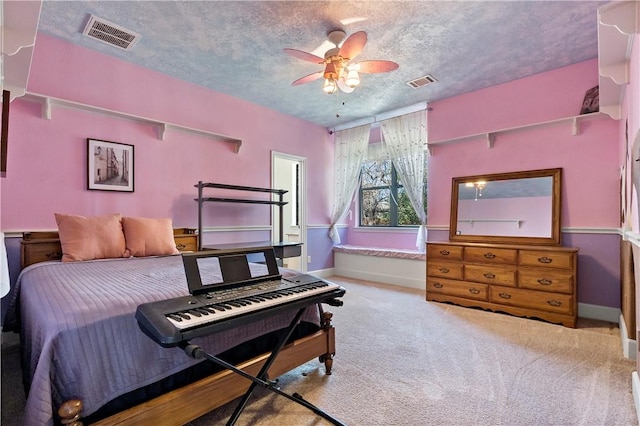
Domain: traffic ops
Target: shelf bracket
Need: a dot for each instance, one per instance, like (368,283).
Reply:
(491,137)
(162,131)
(46,109)
(575,126)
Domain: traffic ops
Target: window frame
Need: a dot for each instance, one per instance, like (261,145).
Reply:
(393,206)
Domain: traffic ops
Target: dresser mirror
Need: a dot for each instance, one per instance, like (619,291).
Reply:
(509,208)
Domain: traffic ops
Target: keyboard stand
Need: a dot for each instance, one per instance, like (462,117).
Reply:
(261,378)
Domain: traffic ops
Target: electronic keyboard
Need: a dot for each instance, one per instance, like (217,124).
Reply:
(174,321)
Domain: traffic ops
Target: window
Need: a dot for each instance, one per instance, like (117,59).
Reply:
(383,200)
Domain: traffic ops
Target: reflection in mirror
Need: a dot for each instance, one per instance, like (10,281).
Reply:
(520,207)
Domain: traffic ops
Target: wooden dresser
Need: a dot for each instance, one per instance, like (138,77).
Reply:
(523,280)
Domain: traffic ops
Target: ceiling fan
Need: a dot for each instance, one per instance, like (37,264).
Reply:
(340,72)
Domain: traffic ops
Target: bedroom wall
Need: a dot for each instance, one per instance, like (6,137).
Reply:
(590,163)
(47,158)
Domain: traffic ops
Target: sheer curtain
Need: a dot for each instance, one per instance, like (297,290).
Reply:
(404,138)
(351,147)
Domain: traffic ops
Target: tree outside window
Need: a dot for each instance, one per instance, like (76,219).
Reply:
(383,200)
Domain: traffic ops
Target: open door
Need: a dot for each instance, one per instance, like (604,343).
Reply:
(288,172)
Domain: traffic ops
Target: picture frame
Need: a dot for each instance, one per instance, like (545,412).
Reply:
(110,166)
(591,102)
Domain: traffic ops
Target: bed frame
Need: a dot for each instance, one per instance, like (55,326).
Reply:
(185,404)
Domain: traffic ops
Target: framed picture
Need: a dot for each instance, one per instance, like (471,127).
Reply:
(109,166)
(591,102)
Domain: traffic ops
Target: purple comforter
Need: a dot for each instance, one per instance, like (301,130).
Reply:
(81,340)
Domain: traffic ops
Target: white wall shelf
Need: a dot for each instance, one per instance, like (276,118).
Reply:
(491,136)
(618,22)
(48,102)
(518,222)
(18,28)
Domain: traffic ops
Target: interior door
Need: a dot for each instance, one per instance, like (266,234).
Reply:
(288,172)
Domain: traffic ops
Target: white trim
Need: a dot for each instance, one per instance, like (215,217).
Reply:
(602,313)
(629,346)
(323,273)
(236,228)
(635,388)
(421,106)
(327,226)
(386,229)
(302,161)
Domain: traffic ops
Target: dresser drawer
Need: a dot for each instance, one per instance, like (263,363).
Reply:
(444,252)
(490,274)
(546,280)
(490,255)
(457,288)
(547,259)
(444,270)
(551,302)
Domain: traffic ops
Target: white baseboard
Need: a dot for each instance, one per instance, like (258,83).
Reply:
(629,346)
(602,313)
(323,273)
(635,388)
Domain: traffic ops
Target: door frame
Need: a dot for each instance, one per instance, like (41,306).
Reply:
(302,197)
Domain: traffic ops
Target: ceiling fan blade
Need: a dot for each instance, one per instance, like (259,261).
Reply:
(353,45)
(305,56)
(308,78)
(373,67)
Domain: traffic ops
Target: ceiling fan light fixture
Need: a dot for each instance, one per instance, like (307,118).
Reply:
(329,86)
(353,79)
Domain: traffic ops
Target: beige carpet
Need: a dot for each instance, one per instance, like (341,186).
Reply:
(403,361)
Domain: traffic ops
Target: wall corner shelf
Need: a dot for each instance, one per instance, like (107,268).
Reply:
(618,22)
(48,102)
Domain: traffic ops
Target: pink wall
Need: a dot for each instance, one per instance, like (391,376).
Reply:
(47,158)
(589,160)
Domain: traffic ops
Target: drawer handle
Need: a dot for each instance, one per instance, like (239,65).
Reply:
(554,303)
(445,252)
(545,259)
(544,281)
(181,246)
(444,270)
(489,275)
(474,291)
(437,285)
(490,255)
(504,295)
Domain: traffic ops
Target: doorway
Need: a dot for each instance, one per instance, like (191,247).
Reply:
(288,172)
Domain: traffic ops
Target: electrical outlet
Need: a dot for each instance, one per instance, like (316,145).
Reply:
(308,259)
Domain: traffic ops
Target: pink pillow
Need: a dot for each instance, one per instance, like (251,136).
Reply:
(88,238)
(149,237)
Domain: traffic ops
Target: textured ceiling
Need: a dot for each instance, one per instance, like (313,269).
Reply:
(236,47)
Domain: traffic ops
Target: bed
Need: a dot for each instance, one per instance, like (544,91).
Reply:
(86,360)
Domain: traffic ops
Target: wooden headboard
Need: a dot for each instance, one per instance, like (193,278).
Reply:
(42,246)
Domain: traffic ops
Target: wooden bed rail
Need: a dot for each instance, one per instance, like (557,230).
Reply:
(185,404)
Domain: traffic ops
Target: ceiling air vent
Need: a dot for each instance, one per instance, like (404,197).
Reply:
(110,33)
(421,81)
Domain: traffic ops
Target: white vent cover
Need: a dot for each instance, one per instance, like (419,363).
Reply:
(110,33)
(421,81)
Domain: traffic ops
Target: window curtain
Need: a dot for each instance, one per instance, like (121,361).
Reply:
(404,139)
(350,149)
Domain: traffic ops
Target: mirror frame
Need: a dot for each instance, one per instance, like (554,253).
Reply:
(553,239)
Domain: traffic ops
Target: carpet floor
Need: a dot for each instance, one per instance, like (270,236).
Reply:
(403,361)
